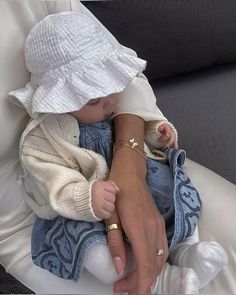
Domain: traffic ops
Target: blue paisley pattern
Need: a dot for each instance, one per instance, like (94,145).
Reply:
(60,245)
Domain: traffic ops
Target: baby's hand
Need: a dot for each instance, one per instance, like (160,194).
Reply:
(103,198)
(168,136)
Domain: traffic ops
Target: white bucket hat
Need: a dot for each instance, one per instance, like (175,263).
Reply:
(72,60)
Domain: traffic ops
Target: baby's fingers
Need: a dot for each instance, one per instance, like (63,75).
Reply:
(105,214)
(172,142)
(164,137)
(164,128)
(109,197)
(108,207)
(165,131)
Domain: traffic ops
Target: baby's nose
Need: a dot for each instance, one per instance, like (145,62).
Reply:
(109,102)
(108,105)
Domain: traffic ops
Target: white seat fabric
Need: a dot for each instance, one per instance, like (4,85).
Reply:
(16,218)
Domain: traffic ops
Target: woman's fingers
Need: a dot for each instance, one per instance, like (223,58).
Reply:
(129,285)
(111,186)
(125,285)
(116,244)
(161,258)
(145,259)
(147,275)
(146,236)
(118,251)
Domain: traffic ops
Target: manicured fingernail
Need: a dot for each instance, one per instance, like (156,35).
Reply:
(118,265)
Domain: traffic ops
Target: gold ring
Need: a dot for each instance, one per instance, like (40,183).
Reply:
(113,226)
(160,252)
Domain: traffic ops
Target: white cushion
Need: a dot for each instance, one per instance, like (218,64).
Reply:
(217,221)
(16,218)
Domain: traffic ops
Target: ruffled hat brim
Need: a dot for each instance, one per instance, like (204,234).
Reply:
(69,87)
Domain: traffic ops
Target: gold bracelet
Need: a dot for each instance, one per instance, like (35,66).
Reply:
(132,144)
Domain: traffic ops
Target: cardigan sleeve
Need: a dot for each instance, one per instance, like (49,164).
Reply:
(62,188)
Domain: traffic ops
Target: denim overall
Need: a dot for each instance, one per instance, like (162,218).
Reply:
(60,245)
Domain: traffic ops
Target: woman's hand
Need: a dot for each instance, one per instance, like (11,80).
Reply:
(145,229)
(139,217)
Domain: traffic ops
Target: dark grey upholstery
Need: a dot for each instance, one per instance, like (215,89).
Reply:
(202,106)
(179,37)
(173,36)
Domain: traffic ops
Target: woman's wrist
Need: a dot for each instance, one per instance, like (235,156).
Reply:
(131,144)
(126,162)
(134,128)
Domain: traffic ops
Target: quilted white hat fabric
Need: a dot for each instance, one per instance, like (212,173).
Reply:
(71,60)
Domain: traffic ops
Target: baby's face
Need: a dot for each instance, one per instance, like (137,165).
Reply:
(97,110)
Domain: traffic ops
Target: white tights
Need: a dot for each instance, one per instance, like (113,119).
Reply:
(194,265)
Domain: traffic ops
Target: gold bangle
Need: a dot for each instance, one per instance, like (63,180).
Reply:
(132,144)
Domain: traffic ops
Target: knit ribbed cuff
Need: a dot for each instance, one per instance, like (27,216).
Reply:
(83,202)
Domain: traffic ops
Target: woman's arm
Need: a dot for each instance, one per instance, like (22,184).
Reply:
(139,217)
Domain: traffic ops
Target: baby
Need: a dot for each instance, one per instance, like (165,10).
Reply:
(80,80)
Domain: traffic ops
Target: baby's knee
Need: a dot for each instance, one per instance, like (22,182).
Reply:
(99,263)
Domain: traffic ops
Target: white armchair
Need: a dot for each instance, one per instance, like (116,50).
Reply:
(16,218)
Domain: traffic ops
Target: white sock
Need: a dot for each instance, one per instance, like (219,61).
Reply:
(99,263)
(176,280)
(205,258)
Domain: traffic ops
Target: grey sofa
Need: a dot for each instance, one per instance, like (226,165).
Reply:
(192,71)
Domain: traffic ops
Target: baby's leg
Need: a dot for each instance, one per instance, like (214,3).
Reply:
(205,258)
(98,262)
(172,279)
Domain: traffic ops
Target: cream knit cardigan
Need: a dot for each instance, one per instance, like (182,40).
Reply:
(59,174)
